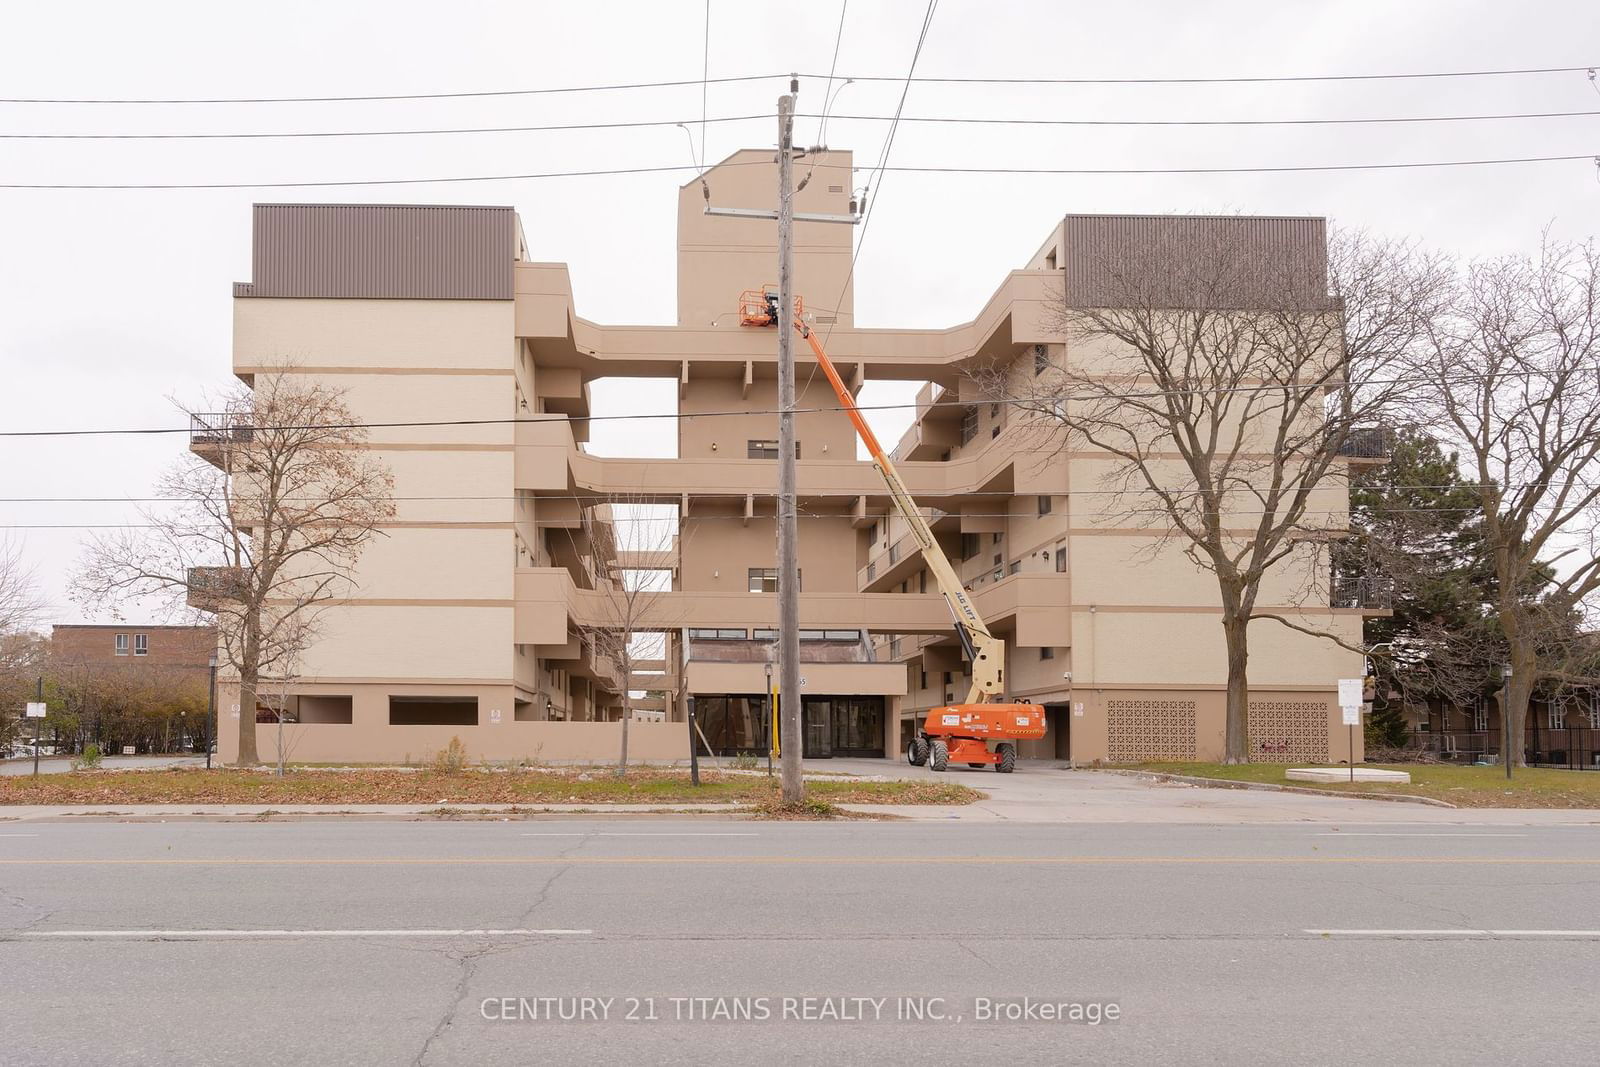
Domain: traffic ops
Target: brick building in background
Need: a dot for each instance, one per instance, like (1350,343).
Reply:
(182,651)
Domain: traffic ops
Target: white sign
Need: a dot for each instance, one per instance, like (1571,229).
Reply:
(129,750)
(1352,715)
(35,710)
(1350,692)
(494,715)
(1077,710)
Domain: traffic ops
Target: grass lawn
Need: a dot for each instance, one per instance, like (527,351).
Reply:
(1467,787)
(563,786)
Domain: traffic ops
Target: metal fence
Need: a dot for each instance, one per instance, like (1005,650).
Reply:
(1570,747)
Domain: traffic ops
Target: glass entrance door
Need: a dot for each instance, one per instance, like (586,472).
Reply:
(818,728)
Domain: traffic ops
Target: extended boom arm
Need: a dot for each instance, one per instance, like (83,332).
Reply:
(986,651)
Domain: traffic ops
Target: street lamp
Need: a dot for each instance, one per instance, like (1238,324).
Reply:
(1505,716)
(211,706)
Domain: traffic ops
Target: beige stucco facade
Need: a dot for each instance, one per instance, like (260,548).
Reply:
(471,607)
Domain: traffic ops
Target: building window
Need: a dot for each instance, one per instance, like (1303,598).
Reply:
(997,558)
(122,644)
(969,545)
(433,711)
(923,683)
(716,635)
(995,539)
(994,411)
(1061,560)
(994,431)
(1044,505)
(1594,711)
(1041,359)
(1480,715)
(765,579)
(1047,653)
(766,450)
(141,644)
(969,424)
(922,581)
(946,677)
(1016,566)
(1556,713)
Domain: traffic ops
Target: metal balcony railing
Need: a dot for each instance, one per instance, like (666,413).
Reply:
(214,583)
(219,428)
(1361,590)
(1369,442)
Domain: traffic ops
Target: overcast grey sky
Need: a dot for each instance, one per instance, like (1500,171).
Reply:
(113,301)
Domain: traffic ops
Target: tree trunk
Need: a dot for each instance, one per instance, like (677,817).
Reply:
(627,714)
(1524,673)
(1236,742)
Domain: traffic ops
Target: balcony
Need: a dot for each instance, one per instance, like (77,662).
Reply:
(903,558)
(207,587)
(1368,445)
(213,434)
(1361,591)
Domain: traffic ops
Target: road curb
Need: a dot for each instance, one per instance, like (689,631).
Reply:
(1226,783)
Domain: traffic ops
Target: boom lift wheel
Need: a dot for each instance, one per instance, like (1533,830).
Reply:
(1008,758)
(939,755)
(917,753)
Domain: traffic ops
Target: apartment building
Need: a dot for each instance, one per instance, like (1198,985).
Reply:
(475,613)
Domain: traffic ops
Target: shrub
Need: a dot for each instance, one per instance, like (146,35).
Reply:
(89,758)
(744,761)
(452,759)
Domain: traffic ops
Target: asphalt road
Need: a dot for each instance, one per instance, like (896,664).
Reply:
(390,942)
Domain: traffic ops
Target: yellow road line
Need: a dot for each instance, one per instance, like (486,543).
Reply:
(578,861)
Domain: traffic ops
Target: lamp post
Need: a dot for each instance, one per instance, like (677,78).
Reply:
(211,706)
(1505,716)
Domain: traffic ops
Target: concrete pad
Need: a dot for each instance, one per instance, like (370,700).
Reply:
(1343,774)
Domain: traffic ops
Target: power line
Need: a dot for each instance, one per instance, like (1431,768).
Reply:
(423,132)
(931,79)
(1035,401)
(389,96)
(628,499)
(1227,513)
(827,90)
(938,119)
(604,172)
(873,185)
(1241,79)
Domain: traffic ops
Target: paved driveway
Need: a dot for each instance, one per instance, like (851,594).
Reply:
(1044,791)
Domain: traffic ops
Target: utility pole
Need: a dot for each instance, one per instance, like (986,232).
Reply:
(791,745)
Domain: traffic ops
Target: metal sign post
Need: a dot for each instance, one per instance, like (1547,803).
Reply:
(1350,696)
(36,712)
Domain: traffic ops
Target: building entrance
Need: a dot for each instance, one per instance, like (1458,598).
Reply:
(830,725)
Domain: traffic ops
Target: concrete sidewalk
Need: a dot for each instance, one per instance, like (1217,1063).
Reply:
(1037,793)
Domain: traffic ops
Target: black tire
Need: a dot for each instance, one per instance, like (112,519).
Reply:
(1008,758)
(939,755)
(917,751)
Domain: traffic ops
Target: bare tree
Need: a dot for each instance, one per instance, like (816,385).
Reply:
(624,540)
(1511,378)
(273,506)
(21,606)
(1227,375)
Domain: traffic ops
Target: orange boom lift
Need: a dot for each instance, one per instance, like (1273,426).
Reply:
(957,733)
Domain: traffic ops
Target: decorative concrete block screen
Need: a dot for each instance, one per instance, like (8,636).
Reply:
(1149,730)
(1289,731)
